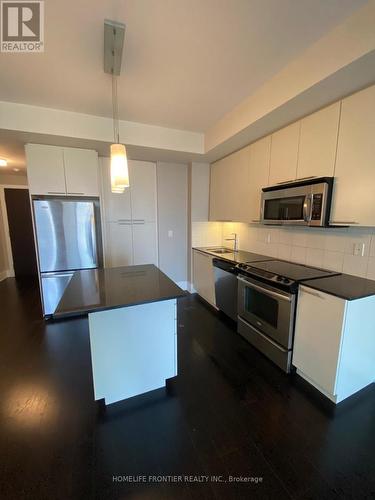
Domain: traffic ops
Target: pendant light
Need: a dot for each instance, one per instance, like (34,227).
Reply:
(119,160)
(114,34)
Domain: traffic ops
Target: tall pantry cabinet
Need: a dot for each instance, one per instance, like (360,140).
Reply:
(130,218)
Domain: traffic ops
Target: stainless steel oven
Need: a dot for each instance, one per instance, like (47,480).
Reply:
(266,319)
(303,202)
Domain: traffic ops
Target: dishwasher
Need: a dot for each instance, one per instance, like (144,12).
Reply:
(226,287)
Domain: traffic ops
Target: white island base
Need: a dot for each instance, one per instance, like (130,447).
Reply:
(133,349)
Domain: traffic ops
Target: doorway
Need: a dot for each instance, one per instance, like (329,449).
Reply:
(21,234)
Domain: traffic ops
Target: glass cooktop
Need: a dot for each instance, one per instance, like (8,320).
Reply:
(296,272)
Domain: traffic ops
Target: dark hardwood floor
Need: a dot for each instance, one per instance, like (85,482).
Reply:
(232,413)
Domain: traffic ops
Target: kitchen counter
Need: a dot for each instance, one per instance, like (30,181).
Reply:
(344,286)
(102,289)
(238,257)
(132,317)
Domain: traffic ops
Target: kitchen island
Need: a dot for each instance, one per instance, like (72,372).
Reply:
(132,314)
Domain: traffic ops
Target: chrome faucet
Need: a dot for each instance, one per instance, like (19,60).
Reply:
(235,240)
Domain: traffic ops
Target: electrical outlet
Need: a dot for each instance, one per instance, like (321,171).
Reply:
(359,249)
(170,233)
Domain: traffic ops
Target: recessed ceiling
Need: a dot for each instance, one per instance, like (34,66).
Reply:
(186,62)
(12,148)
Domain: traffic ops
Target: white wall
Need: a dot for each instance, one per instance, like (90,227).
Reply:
(15,180)
(328,248)
(11,179)
(3,254)
(172,187)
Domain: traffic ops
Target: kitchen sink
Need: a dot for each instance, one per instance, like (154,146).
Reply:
(219,250)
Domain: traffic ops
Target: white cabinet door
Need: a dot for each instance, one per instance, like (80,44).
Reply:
(203,276)
(117,206)
(229,187)
(318,337)
(81,172)
(354,199)
(119,243)
(318,143)
(45,169)
(218,206)
(284,152)
(237,180)
(259,174)
(145,243)
(142,176)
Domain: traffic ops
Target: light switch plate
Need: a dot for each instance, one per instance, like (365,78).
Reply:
(359,249)
(170,233)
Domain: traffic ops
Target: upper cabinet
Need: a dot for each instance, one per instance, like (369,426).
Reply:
(138,202)
(81,172)
(258,176)
(284,154)
(318,143)
(353,200)
(131,217)
(335,141)
(142,176)
(116,207)
(229,187)
(218,206)
(45,169)
(52,170)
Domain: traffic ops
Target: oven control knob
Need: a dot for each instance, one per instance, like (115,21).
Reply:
(279,278)
(286,280)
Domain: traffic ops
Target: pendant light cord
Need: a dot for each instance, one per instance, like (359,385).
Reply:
(116,128)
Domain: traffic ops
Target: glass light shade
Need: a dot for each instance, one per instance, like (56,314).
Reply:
(3,163)
(119,168)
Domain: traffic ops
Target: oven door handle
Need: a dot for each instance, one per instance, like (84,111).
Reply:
(307,208)
(271,293)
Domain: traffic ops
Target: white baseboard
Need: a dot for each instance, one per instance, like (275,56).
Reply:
(185,285)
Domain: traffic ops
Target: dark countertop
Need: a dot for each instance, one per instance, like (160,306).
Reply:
(238,257)
(101,289)
(344,286)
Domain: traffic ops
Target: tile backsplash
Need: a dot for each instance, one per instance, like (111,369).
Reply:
(206,234)
(348,250)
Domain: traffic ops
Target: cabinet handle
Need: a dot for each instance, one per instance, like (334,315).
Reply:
(138,221)
(343,222)
(55,192)
(315,294)
(75,193)
(124,223)
(123,220)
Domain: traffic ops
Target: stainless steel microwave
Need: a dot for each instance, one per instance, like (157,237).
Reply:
(305,202)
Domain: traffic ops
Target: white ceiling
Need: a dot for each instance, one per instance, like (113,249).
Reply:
(12,147)
(186,62)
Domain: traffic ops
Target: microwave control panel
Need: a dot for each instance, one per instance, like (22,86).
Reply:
(316,210)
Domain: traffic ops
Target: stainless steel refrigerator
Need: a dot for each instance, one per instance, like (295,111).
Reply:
(68,238)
